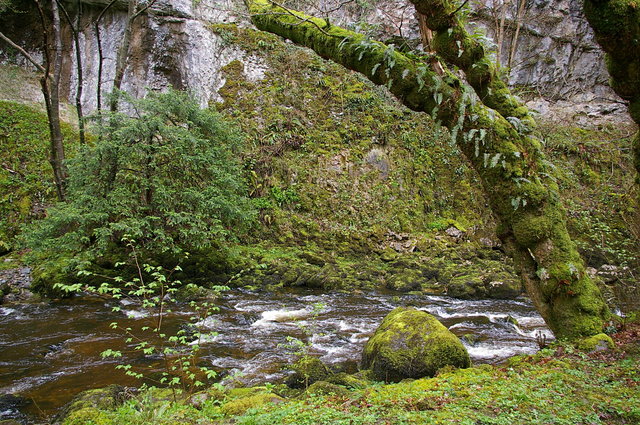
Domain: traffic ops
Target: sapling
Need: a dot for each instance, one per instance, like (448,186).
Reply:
(154,289)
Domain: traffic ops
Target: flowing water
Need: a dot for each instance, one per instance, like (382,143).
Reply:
(50,352)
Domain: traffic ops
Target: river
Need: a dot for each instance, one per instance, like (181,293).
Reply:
(51,351)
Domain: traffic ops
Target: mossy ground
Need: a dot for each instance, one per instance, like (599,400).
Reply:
(348,178)
(558,385)
(26,179)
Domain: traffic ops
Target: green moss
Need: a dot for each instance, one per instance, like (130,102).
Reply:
(240,406)
(326,388)
(306,371)
(88,407)
(348,381)
(596,343)
(88,416)
(529,229)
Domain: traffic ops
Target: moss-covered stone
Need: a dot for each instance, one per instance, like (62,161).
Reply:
(412,344)
(596,343)
(88,416)
(240,405)
(327,388)
(90,406)
(306,371)
(348,381)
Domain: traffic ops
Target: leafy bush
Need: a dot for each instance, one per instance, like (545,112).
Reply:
(167,177)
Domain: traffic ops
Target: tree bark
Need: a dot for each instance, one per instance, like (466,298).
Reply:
(75,32)
(496,136)
(50,83)
(522,7)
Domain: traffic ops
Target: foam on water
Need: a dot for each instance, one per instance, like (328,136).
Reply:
(482,351)
(135,314)
(270,317)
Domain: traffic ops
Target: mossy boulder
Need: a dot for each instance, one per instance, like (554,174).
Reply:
(327,388)
(349,381)
(406,281)
(412,344)
(492,285)
(240,405)
(306,371)
(599,342)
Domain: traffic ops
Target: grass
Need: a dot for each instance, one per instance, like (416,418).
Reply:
(558,385)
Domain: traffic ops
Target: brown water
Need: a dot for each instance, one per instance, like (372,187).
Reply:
(50,352)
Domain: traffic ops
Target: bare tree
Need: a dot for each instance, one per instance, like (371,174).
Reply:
(50,68)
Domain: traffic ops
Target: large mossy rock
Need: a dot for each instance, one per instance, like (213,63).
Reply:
(412,344)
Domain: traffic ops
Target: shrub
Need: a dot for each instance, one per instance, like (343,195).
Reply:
(167,177)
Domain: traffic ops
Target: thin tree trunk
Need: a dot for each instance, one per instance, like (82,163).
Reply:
(500,30)
(50,83)
(100,63)
(75,32)
(123,54)
(427,39)
(522,7)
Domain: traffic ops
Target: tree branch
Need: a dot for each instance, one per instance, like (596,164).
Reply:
(23,53)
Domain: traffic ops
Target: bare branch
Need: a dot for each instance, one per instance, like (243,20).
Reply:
(141,11)
(23,53)
(459,8)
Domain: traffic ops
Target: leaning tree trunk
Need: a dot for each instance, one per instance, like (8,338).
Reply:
(496,136)
(617,28)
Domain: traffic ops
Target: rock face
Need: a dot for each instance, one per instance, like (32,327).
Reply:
(412,344)
(556,57)
(172,46)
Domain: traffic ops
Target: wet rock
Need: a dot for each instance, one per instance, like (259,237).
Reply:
(470,339)
(190,293)
(10,405)
(306,371)
(15,284)
(496,286)
(412,344)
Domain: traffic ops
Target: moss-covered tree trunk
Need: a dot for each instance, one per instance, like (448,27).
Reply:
(496,134)
(616,24)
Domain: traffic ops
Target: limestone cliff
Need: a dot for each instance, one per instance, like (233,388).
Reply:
(556,57)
